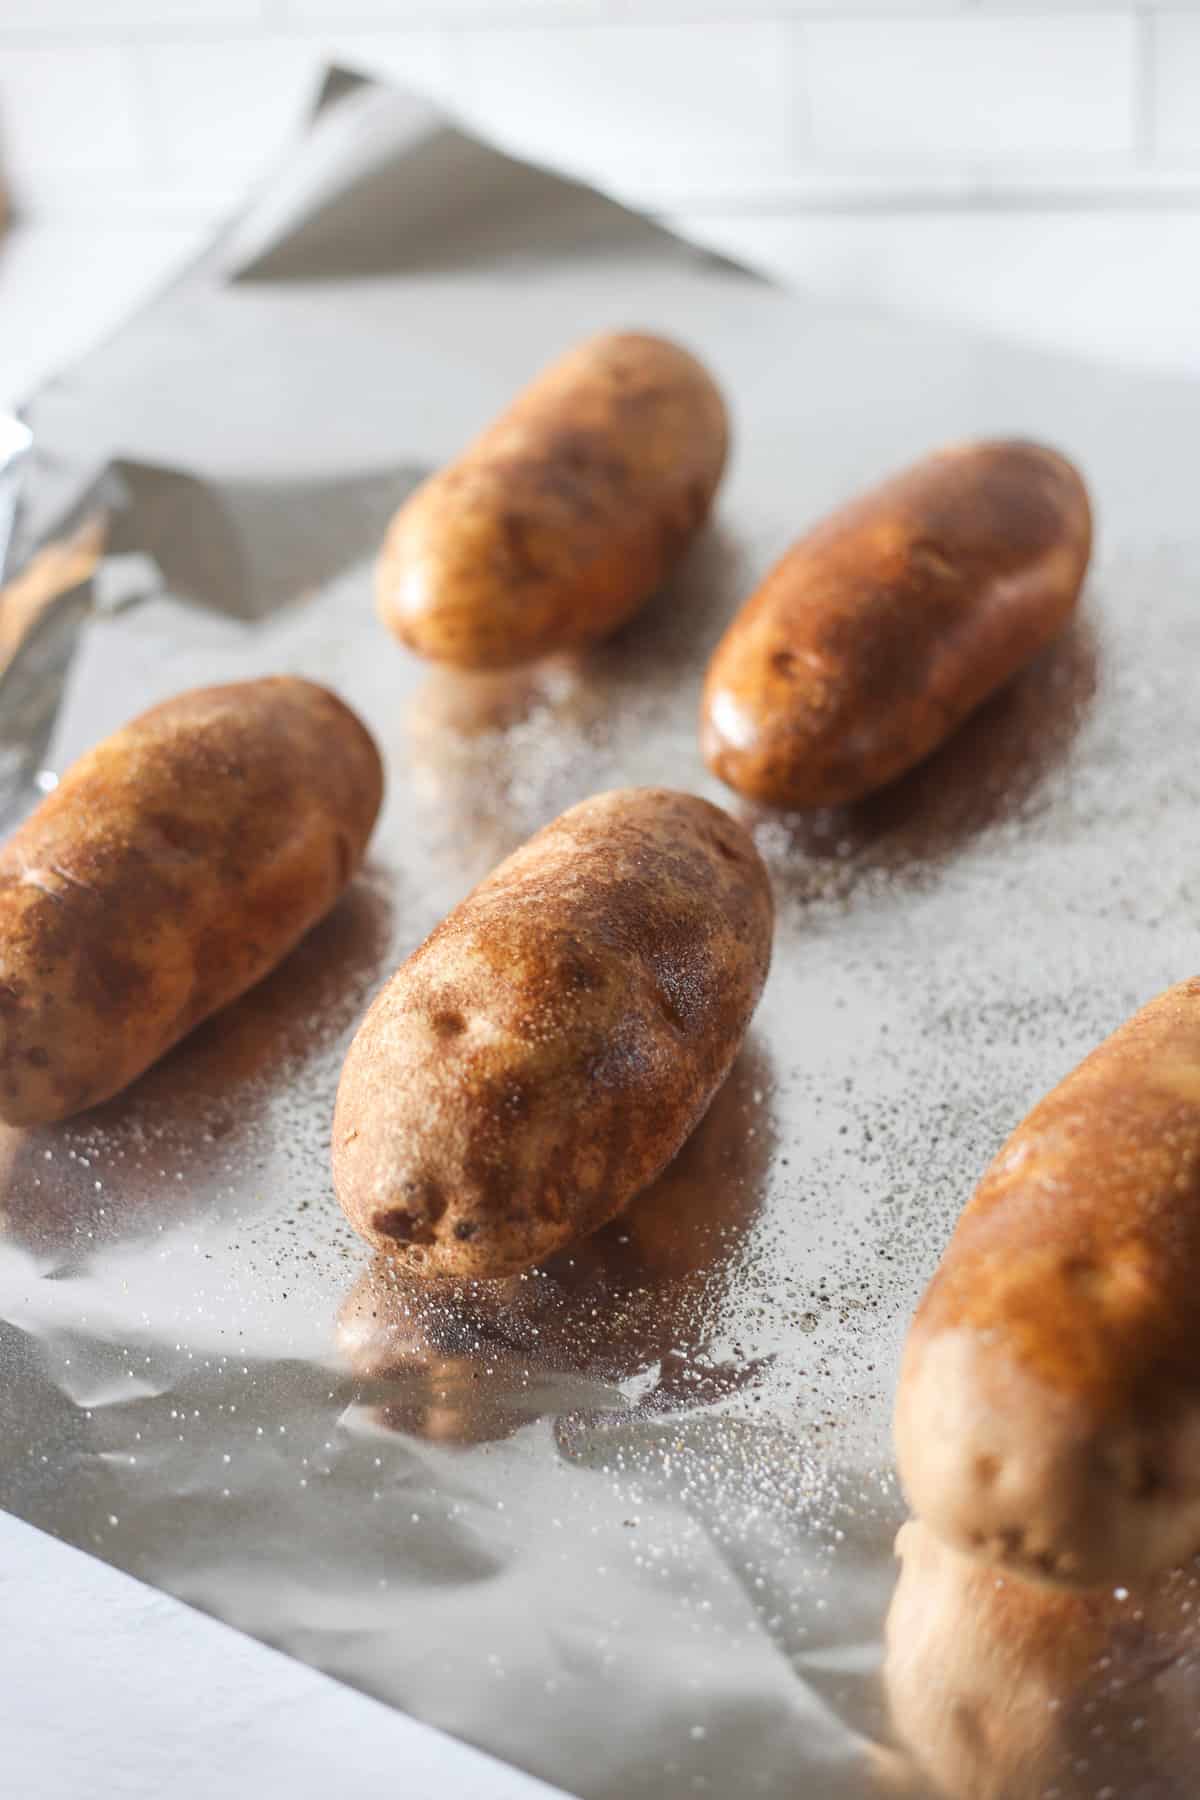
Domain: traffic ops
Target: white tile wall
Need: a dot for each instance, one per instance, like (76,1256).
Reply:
(210,114)
(456,12)
(429,59)
(1011,90)
(67,113)
(35,18)
(1175,106)
(651,108)
(865,146)
(216,113)
(804,102)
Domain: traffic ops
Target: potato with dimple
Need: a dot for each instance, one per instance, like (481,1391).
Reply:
(892,620)
(549,1047)
(173,866)
(563,518)
(1048,1415)
(614,1303)
(1003,1689)
(643,1293)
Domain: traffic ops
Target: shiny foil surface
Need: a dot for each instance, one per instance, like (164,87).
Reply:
(626,1521)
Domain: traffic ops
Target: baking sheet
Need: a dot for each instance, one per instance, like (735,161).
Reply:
(628,1521)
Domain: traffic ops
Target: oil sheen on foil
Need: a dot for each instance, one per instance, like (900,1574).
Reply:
(626,1521)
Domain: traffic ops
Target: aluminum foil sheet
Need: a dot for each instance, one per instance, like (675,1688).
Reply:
(627,1521)
(14,448)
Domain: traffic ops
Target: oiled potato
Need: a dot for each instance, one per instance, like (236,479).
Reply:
(174,864)
(209,1096)
(558,523)
(550,1046)
(467,1360)
(1004,1690)
(880,630)
(1048,1415)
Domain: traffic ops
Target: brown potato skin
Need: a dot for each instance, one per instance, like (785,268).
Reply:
(547,1050)
(1001,1689)
(563,518)
(1048,1413)
(885,626)
(173,866)
(458,1357)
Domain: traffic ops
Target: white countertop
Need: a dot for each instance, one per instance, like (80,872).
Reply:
(111,1688)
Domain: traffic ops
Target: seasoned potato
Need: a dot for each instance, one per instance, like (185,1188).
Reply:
(558,523)
(879,631)
(468,1360)
(548,1049)
(173,866)
(1005,1690)
(1048,1416)
(208,1097)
